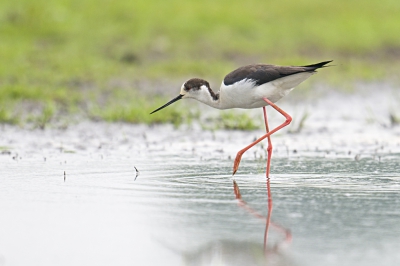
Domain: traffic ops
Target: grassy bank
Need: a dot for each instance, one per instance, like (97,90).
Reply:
(102,59)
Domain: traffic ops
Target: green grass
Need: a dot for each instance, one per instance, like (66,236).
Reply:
(86,57)
(137,111)
(231,119)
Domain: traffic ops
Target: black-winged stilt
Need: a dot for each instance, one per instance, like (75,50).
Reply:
(247,87)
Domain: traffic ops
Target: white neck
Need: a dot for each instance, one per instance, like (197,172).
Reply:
(205,96)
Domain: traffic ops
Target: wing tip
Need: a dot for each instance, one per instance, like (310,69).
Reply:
(319,65)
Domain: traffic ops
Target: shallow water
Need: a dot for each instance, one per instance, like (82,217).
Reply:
(335,186)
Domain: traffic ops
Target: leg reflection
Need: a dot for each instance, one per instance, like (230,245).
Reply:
(287,234)
(268,221)
(269,151)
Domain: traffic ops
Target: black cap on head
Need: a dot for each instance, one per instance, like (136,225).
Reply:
(195,84)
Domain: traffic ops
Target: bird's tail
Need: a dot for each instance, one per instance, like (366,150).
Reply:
(318,65)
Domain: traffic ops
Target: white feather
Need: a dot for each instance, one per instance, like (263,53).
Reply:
(244,94)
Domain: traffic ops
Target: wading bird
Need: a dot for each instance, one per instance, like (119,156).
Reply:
(247,87)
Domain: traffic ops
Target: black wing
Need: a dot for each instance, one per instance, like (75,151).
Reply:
(262,73)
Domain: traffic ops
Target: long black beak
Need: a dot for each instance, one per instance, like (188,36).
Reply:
(168,103)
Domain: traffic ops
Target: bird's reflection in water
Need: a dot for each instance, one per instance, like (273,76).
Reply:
(232,253)
(286,232)
(228,252)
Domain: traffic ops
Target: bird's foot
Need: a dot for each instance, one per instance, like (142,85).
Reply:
(236,162)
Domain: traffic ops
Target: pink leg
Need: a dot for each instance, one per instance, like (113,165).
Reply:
(269,154)
(287,122)
(269,149)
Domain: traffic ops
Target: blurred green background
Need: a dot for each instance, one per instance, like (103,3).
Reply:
(67,60)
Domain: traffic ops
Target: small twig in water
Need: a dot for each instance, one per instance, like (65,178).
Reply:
(137,172)
(65,176)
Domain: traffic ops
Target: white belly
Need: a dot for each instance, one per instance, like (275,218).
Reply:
(243,94)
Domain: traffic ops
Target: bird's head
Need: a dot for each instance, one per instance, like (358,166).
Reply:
(190,89)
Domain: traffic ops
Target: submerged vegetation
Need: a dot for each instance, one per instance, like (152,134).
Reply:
(70,58)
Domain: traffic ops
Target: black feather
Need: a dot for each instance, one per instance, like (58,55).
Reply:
(261,73)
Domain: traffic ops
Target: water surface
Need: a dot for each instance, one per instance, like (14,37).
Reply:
(335,186)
